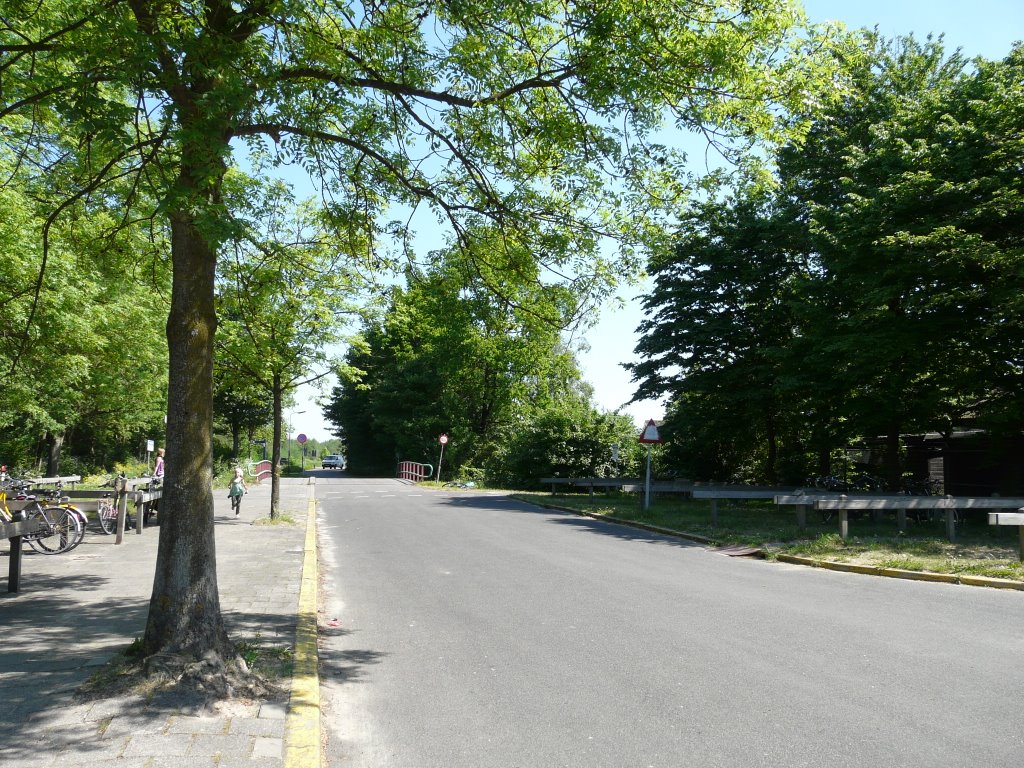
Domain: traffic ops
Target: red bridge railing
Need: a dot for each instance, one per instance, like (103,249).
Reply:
(261,470)
(413,470)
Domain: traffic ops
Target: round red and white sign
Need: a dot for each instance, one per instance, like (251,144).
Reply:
(443,439)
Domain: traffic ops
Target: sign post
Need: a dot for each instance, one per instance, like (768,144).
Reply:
(443,440)
(649,436)
(301,440)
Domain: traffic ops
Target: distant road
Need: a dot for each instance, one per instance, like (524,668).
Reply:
(465,630)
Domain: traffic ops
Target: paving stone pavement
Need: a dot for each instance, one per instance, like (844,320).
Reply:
(77,610)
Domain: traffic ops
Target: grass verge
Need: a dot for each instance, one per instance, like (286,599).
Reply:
(980,549)
(283,518)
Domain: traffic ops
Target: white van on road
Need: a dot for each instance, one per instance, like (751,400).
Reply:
(333,461)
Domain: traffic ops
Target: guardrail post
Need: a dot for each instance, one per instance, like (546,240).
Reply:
(901,519)
(140,507)
(844,523)
(122,515)
(121,488)
(801,516)
(714,513)
(14,567)
(951,524)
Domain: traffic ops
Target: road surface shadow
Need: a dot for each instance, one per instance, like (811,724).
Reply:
(604,527)
(348,666)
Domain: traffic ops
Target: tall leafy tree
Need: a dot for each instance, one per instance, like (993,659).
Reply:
(721,320)
(241,405)
(286,290)
(875,293)
(900,187)
(93,369)
(517,112)
(473,362)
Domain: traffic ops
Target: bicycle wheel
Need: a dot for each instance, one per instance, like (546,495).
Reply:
(62,531)
(107,514)
(83,523)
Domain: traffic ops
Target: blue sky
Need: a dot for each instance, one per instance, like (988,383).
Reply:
(979,27)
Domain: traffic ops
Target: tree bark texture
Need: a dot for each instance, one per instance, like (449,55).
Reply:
(54,444)
(184,612)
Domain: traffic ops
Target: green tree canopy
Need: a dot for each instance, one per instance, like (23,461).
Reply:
(82,343)
(722,317)
(874,292)
(538,117)
(472,363)
(286,290)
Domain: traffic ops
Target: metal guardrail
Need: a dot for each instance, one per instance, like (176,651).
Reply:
(900,504)
(1011,518)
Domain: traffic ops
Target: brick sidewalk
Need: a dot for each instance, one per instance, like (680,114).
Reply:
(76,611)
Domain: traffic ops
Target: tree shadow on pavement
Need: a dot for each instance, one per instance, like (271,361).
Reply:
(583,523)
(348,666)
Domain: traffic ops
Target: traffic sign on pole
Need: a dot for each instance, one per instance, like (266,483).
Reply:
(650,433)
(443,440)
(650,436)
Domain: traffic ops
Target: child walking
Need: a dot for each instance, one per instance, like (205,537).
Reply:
(237,490)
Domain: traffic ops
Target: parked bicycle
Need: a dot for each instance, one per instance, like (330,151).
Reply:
(860,482)
(62,524)
(920,486)
(107,514)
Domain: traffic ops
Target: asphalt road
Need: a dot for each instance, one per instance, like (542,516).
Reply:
(470,630)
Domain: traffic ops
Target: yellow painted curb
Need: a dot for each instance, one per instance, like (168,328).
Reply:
(829,565)
(899,573)
(302,727)
(990,581)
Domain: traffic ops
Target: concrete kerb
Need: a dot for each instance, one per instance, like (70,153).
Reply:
(869,570)
(302,727)
(899,573)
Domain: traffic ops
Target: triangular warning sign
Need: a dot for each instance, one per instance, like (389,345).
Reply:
(650,433)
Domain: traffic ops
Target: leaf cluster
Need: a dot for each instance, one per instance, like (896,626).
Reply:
(871,292)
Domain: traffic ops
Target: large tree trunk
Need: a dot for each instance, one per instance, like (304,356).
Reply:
(184,610)
(54,442)
(772,457)
(893,466)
